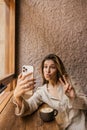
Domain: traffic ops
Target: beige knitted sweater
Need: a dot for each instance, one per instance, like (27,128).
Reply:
(72,110)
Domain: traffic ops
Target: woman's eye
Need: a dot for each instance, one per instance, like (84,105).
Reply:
(45,66)
(53,67)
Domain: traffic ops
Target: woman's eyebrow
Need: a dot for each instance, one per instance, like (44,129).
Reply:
(50,64)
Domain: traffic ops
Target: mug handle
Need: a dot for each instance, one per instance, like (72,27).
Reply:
(55,112)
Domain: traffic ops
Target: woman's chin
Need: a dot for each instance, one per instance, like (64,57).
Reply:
(47,78)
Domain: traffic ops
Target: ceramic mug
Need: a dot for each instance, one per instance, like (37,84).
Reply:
(48,114)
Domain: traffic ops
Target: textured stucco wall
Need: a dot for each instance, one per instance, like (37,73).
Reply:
(53,26)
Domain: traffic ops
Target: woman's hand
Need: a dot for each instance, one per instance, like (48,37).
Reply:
(24,84)
(69,90)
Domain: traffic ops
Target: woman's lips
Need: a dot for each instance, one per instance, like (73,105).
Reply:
(48,75)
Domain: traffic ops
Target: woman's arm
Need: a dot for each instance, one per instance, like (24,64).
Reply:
(80,101)
(23,85)
(30,105)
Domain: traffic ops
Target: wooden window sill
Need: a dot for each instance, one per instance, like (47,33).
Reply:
(7,79)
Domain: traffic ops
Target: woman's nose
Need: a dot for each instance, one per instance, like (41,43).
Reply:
(48,69)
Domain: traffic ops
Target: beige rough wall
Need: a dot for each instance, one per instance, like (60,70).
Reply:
(53,26)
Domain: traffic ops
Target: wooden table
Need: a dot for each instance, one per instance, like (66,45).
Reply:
(9,121)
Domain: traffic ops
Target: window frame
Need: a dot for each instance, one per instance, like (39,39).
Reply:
(10,53)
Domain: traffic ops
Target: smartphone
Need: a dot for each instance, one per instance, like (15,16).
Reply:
(26,69)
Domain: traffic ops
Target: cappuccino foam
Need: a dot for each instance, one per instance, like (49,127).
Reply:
(46,110)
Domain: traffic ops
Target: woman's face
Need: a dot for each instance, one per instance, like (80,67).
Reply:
(50,70)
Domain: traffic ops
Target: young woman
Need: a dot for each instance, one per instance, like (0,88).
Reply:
(56,91)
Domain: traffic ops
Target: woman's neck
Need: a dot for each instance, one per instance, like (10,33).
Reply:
(52,88)
(52,84)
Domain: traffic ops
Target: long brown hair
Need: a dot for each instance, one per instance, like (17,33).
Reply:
(59,64)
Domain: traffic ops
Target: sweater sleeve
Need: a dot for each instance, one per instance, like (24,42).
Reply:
(30,105)
(80,101)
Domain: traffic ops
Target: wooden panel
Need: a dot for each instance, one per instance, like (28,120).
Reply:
(12,38)
(3,95)
(5,101)
(10,52)
(2,38)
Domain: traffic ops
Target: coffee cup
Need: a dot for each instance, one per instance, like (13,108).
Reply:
(48,114)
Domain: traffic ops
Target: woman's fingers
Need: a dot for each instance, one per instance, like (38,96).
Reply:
(66,85)
(20,75)
(21,90)
(25,76)
(65,79)
(28,85)
(26,89)
(29,88)
(68,89)
(26,81)
(61,81)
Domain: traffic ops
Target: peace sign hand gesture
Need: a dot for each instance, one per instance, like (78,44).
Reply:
(68,89)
